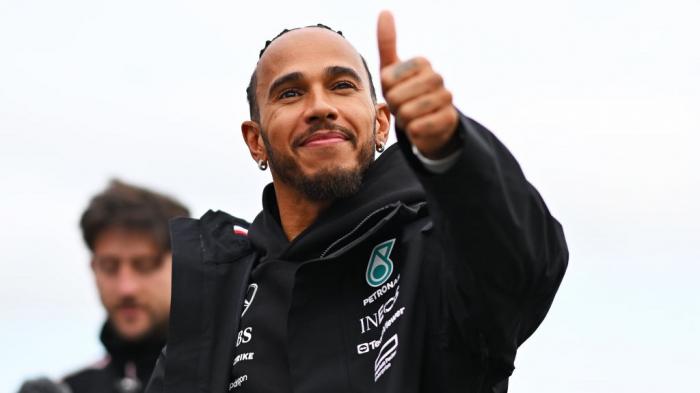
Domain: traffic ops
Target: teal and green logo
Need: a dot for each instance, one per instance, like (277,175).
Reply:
(380,266)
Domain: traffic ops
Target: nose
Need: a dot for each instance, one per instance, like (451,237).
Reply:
(320,107)
(127,280)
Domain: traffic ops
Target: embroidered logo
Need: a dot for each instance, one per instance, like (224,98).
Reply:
(249,296)
(380,266)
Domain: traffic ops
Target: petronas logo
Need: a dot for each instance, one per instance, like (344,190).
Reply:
(380,266)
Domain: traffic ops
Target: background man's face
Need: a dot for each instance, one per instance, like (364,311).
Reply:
(316,110)
(133,279)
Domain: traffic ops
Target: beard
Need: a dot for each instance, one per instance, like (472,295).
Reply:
(328,183)
(151,323)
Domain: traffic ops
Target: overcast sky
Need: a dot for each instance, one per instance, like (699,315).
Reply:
(598,100)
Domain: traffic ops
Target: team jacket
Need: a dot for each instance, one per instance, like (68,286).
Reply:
(126,369)
(420,282)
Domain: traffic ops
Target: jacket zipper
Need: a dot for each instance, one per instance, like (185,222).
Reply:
(353,230)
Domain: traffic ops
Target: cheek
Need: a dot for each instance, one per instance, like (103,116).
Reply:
(107,291)
(277,130)
(104,285)
(158,287)
(363,122)
(360,112)
(284,118)
(159,282)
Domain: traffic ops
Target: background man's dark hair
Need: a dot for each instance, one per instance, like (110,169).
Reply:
(131,208)
(250,90)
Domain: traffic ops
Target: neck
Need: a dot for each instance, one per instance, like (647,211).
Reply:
(296,211)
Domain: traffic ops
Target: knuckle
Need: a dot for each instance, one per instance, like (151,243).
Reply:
(448,96)
(439,80)
(426,103)
(422,61)
(443,115)
(435,80)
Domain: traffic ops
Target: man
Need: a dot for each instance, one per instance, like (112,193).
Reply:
(421,271)
(126,229)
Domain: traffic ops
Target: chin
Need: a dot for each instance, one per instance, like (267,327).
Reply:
(323,169)
(133,333)
(335,160)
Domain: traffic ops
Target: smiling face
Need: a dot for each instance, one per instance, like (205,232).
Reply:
(318,123)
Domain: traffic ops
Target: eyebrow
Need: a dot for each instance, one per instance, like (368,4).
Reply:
(336,71)
(284,79)
(331,72)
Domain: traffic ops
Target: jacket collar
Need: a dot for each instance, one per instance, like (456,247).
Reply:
(142,353)
(388,180)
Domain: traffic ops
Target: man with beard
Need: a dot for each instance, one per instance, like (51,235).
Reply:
(126,229)
(421,271)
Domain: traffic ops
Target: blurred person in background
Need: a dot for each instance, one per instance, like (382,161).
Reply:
(126,229)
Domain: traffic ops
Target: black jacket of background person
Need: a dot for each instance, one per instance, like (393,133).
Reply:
(477,259)
(126,369)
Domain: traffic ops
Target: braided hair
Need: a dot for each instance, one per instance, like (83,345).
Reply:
(251,89)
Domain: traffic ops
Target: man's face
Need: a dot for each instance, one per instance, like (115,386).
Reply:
(133,279)
(317,116)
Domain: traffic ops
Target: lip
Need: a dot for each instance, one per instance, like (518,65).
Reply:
(129,312)
(324,138)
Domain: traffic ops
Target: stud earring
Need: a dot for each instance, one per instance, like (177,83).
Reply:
(380,147)
(262,164)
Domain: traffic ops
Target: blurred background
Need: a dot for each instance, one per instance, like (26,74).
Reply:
(599,101)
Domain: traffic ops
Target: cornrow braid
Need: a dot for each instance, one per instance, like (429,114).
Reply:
(285,31)
(250,90)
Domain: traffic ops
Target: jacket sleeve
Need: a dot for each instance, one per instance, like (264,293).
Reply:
(155,384)
(505,253)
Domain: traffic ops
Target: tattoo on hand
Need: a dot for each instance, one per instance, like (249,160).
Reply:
(403,68)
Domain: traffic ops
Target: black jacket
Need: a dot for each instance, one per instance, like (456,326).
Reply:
(126,369)
(420,282)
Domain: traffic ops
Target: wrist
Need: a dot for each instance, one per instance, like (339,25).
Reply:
(453,144)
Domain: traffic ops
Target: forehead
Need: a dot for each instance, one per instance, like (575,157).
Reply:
(308,50)
(121,240)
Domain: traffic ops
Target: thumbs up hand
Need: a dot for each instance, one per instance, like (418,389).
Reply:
(416,96)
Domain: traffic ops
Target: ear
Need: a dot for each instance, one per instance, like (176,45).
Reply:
(383,121)
(253,138)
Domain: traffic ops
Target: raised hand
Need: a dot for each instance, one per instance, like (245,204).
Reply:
(416,95)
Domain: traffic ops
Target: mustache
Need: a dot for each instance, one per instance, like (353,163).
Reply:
(325,125)
(127,302)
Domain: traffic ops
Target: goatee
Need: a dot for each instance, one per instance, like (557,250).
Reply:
(327,184)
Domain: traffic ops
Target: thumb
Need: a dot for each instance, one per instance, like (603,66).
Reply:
(386,39)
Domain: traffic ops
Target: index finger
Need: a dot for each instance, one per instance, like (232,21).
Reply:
(386,39)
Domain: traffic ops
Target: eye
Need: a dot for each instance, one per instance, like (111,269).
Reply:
(145,264)
(107,265)
(343,85)
(289,93)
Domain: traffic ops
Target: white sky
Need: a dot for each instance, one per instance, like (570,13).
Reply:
(598,100)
